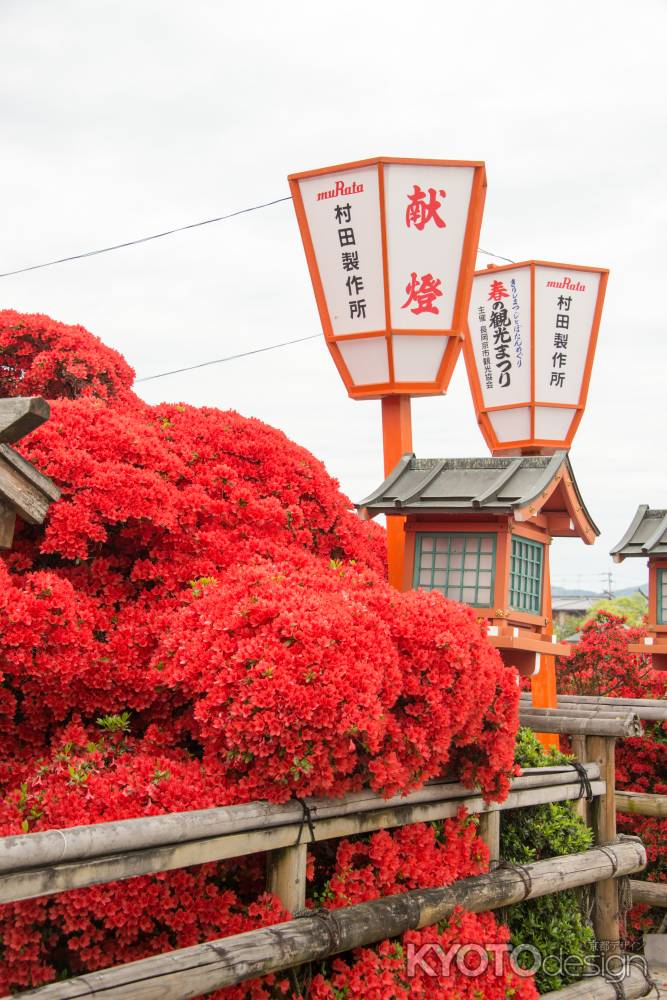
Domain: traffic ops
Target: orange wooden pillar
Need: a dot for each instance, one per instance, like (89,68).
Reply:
(396,441)
(543,684)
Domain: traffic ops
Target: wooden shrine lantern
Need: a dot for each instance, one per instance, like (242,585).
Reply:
(478,531)
(646,538)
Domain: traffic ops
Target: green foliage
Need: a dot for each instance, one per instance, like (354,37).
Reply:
(115,723)
(552,924)
(633,608)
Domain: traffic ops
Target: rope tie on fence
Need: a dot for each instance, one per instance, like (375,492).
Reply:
(329,922)
(585,788)
(612,858)
(306,817)
(519,870)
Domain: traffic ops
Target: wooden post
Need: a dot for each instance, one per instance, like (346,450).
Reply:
(397,441)
(286,876)
(489,831)
(579,752)
(606,916)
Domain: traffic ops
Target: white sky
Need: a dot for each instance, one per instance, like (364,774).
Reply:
(120,119)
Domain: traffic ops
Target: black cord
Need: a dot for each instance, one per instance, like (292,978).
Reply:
(146,239)
(519,870)
(306,817)
(178,229)
(231,357)
(585,789)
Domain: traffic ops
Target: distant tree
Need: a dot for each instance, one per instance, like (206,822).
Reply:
(632,608)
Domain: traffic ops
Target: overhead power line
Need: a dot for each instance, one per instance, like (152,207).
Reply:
(170,232)
(487,253)
(145,239)
(181,229)
(231,357)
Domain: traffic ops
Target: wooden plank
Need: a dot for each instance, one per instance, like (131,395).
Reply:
(19,415)
(286,876)
(649,893)
(47,880)
(606,912)
(101,839)
(642,803)
(190,972)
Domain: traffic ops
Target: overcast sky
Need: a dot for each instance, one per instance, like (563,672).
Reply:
(124,118)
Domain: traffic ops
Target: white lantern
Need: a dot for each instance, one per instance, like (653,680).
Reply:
(391,246)
(532,331)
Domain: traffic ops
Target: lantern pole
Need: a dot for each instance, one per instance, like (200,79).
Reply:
(396,441)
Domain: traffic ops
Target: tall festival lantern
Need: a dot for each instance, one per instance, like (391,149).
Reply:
(391,246)
(532,331)
(529,350)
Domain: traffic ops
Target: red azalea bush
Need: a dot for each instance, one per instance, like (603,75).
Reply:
(203,621)
(423,963)
(602,665)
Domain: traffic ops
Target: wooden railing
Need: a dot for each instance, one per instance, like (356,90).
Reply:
(57,860)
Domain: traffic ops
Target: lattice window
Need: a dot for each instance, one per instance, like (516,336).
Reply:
(661,597)
(526,576)
(461,566)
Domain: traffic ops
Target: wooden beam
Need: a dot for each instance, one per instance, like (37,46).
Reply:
(546,720)
(646,708)
(649,893)
(79,843)
(19,415)
(642,804)
(46,880)
(190,972)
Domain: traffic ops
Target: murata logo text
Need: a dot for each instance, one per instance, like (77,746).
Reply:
(341,188)
(572,286)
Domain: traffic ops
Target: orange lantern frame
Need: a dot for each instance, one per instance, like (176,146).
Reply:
(532,443)
(456,333)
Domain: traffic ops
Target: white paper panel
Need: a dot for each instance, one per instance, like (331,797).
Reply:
(499,325)
(366,360)
(343,207)
(417,359)
(424,241)
(564,308)
(552,422)
(511,425)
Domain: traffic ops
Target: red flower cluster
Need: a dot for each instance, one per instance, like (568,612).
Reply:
(423,963)
(204,621)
